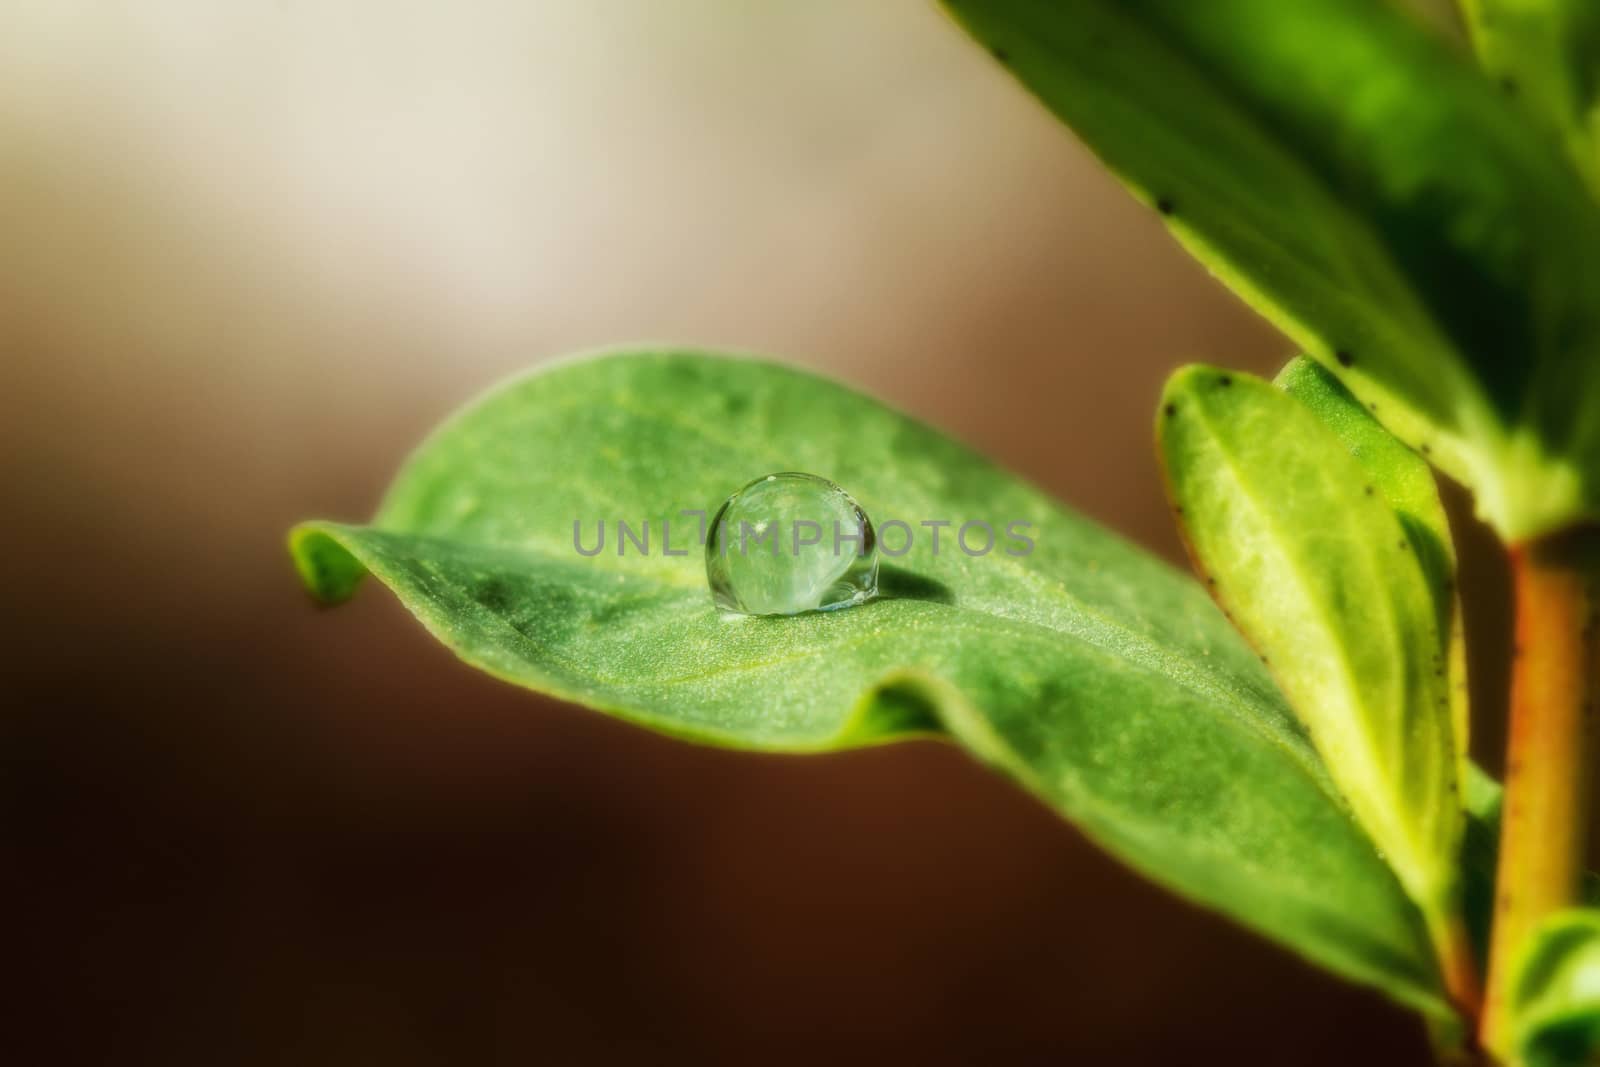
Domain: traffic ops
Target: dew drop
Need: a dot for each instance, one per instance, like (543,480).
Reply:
(789,543)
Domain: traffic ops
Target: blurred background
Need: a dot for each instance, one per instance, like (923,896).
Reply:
(251,252)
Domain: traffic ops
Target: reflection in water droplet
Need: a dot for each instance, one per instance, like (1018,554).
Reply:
(789,543)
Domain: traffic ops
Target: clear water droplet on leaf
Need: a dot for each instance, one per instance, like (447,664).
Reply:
(789,543)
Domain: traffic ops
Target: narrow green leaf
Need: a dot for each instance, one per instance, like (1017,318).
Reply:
(1405,482)
(1555,997)
(1546,55)
(1374,196)
(1320,573)
(1100,678)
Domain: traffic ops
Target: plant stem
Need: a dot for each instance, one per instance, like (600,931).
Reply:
(1550,753)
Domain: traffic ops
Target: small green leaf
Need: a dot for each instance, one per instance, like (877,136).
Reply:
(1555,997)
(1369,192)
(1321,574)
(1546,55)
(1101,679)
(1405,482)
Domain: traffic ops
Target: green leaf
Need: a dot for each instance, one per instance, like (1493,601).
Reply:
(1546,55)
(1101,679)
(1320,574)
(1555,996)
(1374,196)
(1406,484)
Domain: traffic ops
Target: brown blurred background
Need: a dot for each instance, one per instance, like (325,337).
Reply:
(252,251)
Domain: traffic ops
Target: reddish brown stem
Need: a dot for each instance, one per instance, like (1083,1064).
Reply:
(1550,753)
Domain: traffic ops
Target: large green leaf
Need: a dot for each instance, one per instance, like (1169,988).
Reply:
(1373,195)
(1319,572)
(1101,679)
(1546,54)
(1555,995)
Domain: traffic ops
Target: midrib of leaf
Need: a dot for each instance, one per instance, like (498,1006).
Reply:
(1135,651)
(1066,617)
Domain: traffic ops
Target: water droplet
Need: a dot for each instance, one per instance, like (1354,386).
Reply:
(789,543)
